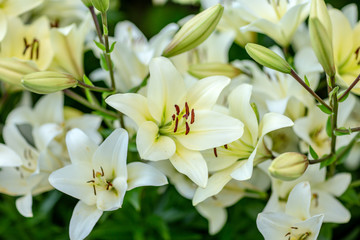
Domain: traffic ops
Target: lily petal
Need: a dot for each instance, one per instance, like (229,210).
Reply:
(298,204)
(81,148)
(141,174)
(337,185)
(24,205)
(9,158)
(151,146)
(190,163)
(83,220)
(273,121)
(215,215)
(50,108)
(44,134)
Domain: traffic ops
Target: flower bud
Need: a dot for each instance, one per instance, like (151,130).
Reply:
(195,31)
(288,166)
(48,82)
(101,5)
(321,36)
(268,58)
(203,70)
(87,3)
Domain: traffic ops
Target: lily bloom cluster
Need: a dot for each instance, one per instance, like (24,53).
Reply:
(218,130)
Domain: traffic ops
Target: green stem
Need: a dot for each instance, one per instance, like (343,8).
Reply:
(93,88)
(307,88)
(349,88)
(320,159)
(335,105)
(356,129)
(84,102)
(97,25)
(107,49)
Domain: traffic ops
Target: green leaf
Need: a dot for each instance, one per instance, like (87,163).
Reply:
(103,62)
(106,31)
(334,91)
(328,162)
(100,45)
(313,153)
(306,81)
(112,47)
(350,196)
(324,109)
(87,80)
(344,98)
(338,133)
(328,127)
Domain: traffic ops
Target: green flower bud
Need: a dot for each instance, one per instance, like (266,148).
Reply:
(195,31)
(288,166)
(101,5)
(203,70)
(87,3)
(48,82)
(321,36)
(268,58)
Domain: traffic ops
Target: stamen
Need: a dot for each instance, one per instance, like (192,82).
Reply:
(26,46)
(94,190)
(185,116)
(177,109)
(215,152)
(102,171)
(176,124)
(187,109)
(173,117)
(226,146)
(294,227)
(108,185)
(91,181)
(187,128)
(192,116)
(287,234)
(316,197)
(93,173)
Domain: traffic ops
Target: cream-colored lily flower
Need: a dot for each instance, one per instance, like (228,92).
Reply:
(13,8)
(24,50)
(278,19)
(323,193)
(346,47)
(99,177)
(237,159)
(175,123)
(296,222)
(68,44)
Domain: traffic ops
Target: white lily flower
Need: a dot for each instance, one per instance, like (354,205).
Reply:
(176,123)
(132,54)
(99,177)
(236,160)
(323,194)
(296,222)
(26,50)
(277,19)
(13,8)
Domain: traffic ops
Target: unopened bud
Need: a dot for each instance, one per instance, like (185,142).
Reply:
(321,36)
(288,166)
(203,70)
(87,3)
(48,82)
(195,31)
(101,5)
(267,58)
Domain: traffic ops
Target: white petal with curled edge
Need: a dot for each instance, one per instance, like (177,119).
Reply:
(111,154)
(214,214)
(299,200)
(8,158)
(83,220)
(50,108)
(273,121)
(151,145)
(211,129)
(89,124)
(336,185)
(81,148)
(133,105)
(141,174)
(45,133)
(166,88)
(311,225)
(24,205)
(205,92)
(190,163)
(73,180)
(332,209)
(244,171)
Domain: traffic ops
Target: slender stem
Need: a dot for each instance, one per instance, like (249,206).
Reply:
(320,159)
(334,104)
(355,129)
(83,101)
(97,25)
(107,49)
(349,88)
(142,84)
(299,80)
(93,88)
